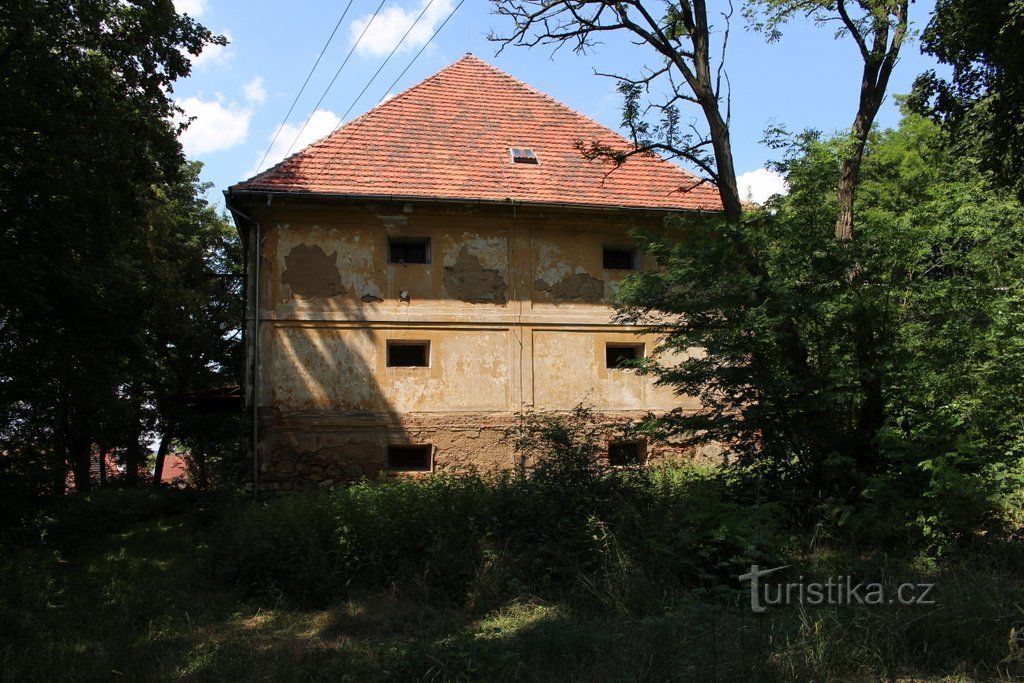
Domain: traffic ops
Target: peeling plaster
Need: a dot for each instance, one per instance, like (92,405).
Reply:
(578,287)
(312,274)
(467,280)
(357,267)
(552,265)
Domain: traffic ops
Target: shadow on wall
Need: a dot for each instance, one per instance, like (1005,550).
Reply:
(324,415)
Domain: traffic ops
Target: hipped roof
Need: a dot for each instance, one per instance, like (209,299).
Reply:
(449,138)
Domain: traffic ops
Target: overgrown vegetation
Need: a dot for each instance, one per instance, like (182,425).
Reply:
(873,385)
(623,540)
(468,578)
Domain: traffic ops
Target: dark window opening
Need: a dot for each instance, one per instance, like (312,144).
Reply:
(620,355)
(409,458)
(409,250)
(408,354)
(523,156)
(621,259)
(626,453)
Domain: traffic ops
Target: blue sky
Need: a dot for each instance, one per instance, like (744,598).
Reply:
(239,94)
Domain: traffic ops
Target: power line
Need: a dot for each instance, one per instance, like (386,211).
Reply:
(393,83)
(385,63)
(304,84)
(409,65)
(336,74)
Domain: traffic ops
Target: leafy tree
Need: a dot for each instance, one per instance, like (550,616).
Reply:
(192,327)
(691,50)
(85,137)
(878,27)
(983,100)
(780,368)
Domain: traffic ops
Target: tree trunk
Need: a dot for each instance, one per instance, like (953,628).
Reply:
(879,59)
(727,185)
(161,455)
(102,457)
(849,173)
(703,87)
(79,453)
(58,475)
(133,454)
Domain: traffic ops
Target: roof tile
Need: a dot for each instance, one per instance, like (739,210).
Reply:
(449,137)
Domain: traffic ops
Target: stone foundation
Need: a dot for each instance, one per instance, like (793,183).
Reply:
(302,452)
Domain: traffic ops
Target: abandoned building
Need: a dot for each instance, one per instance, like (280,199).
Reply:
(437,265)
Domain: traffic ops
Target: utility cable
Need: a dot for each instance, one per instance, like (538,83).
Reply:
(336,74)
(393,83)
(303,88)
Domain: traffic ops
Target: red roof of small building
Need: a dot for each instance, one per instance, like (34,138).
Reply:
(449,138)
(175,469)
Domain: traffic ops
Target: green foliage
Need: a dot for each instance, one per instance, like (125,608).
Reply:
(563,448)
(138,600)
(881,375)
(106,244)
(982,102)
(569,529)
(192,325)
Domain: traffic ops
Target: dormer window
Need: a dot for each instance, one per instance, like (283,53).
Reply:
(521,155)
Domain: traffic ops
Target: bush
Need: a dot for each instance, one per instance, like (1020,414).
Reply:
(571,528)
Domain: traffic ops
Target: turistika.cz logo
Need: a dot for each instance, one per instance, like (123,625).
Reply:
(840,590)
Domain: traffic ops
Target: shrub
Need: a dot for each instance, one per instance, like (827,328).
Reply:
(572,527)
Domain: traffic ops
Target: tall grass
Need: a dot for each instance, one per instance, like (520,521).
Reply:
(471,578)
(467,537)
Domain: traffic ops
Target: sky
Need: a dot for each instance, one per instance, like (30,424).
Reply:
(238,95)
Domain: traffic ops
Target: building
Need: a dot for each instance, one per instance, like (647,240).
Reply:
(435,266)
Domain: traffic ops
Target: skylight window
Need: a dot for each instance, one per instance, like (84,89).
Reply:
(521,155)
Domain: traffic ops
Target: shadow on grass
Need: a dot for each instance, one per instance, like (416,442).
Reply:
(141,605)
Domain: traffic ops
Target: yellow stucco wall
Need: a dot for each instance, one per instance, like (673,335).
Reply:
(514,306)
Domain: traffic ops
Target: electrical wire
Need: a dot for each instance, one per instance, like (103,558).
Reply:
(304,84)
(393,83)
(335,78)
(381,67)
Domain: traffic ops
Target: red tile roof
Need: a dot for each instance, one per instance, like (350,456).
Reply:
(449,137)
(175,469)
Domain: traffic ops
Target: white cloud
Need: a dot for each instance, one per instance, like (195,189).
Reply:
(217,125)
(193,8)
(255,92)
(388,27)
(321,123)
(757,186)
(214,54)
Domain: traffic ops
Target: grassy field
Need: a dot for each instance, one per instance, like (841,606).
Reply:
(143,602)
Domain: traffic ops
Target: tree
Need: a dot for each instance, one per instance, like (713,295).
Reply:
(85,137)
(193,322)
(692,66)
(983,101)
(940,272)
(682,38)
(878,27)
